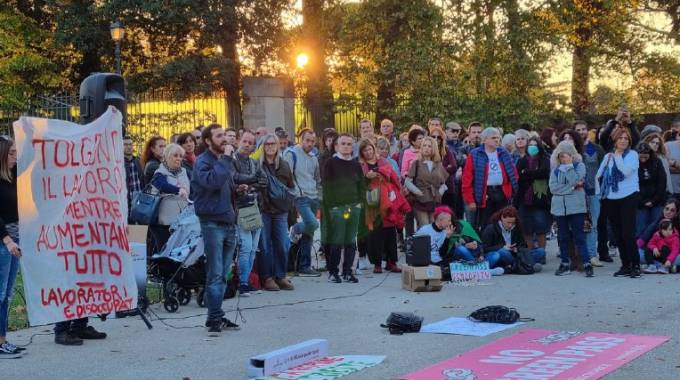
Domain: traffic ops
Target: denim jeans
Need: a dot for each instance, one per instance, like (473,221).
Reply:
(248,243)
(464,253)
(307,209)
(342,231)
(571,227)
(219,240)
(499,258)
(276,245)
(9,266)
(646,216)
(591,237)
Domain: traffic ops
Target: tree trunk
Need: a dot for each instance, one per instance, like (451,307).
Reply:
(386,100)
(319,96)
(580,80)
(232,82)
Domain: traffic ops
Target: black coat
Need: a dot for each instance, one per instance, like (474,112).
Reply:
(527,178)
(492,237)
(652,179)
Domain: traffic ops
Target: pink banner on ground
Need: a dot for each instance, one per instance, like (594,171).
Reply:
(543,354)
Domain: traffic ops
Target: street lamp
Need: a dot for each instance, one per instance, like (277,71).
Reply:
(117,34)
(302,60)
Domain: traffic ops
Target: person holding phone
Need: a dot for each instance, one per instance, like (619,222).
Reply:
(623,120)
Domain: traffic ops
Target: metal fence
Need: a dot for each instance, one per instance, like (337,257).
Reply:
(160,113)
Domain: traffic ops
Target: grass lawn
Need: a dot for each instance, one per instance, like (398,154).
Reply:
(18,318)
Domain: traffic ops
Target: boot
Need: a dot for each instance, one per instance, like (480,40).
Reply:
(67,339)
(89,333)
(271,285)
(393,267)
(377,269)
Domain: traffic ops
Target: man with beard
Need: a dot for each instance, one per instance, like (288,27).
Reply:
(213,185)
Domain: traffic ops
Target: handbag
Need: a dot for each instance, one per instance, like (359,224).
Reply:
(170,206)
(373,196)
(249,218)
(280,196)
(145,204)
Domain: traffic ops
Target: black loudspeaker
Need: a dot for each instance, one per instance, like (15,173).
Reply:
(418,250)
(99,91)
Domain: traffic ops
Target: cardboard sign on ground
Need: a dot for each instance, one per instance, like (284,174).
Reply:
(287,357)
(543,354)
(328,368)
(421,279)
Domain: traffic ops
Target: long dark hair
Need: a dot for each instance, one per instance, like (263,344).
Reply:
(6,173)
(546,137)
(147,154)
(575,137)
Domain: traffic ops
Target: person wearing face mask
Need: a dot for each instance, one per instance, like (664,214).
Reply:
(533,196)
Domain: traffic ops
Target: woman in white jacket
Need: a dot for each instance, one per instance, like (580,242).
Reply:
(617,179)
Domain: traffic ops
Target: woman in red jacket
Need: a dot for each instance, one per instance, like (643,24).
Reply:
(384,207)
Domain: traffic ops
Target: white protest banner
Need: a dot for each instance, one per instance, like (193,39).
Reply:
(73,218)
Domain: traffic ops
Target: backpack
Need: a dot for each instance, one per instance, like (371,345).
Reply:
(497,314)
(523,263)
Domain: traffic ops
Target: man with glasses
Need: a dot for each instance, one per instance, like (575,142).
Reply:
(453,140)
(387,131)
(306,175)
(200,147)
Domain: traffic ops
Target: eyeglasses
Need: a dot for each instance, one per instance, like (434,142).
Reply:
(455,130)
(269,144)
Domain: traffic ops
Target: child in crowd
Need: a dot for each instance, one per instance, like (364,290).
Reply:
(662,248)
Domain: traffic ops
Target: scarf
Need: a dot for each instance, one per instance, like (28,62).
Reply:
(611,178)
(190,157)
(174,172)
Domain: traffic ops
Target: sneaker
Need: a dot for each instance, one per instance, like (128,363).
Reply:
(650,269)
(308,272)
(674,269)
(497,271)
(67,339)
(271,285)
(214,327)
(14,347)
(606,259)
(349,277)
(661,269)
(285,284)
(622,272)
(89,333)
(8,352)
(635,272)
(589,270)
(229,325)
(377,269)
(244,290)
(563,270)
(594,261)
(294,237)
(335,278)
(254,290)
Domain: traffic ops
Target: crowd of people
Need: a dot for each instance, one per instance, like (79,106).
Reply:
(481,195)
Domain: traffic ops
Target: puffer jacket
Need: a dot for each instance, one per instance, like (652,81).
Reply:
(568,198)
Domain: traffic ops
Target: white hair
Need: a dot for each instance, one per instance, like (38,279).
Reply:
(488,132)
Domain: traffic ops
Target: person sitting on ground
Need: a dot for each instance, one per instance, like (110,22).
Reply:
(467,245)
(670,212)
(439,232)
(503,238)
(662,249)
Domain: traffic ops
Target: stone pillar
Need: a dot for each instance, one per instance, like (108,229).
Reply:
(269,103)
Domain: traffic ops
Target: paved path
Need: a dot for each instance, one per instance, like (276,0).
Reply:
(649,305)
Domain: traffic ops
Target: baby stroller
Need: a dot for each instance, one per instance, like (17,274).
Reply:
(180,266)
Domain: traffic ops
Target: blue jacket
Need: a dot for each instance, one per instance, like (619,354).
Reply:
(476,171)
(212,185)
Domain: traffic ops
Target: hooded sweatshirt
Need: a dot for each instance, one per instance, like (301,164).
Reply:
(305,168)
